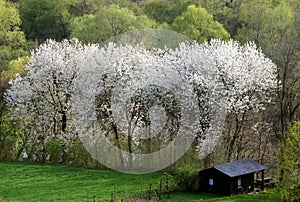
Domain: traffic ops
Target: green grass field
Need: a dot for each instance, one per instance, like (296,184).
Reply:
(42,182)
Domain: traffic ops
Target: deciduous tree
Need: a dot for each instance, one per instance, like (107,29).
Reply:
(272,26)
(290,185)
(45,19)
(108,22)
(128,93)
(158,10)
(12,39)
(199,25)
(41,100)
(247,78)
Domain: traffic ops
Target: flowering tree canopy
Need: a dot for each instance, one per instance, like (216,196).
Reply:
(41,100)
(139,100)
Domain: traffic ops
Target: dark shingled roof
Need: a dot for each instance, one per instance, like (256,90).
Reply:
(241,167)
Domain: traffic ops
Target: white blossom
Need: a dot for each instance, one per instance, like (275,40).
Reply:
(114,90)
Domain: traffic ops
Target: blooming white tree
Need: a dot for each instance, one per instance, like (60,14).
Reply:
(191,87)
(252,81)
(41,100)
(134,106)
(229,77)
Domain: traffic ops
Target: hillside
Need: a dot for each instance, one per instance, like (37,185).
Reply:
(41,182)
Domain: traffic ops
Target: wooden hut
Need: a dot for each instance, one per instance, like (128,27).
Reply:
(231,178)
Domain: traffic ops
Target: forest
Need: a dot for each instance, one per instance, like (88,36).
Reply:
(254,45)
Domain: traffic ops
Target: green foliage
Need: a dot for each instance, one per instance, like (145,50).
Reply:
(273,26)
(131,5)
(290,164)
(7,53)
(265,22)
(108,22)
(12,39)
(225,12)
(43,19)
(187,178)
(85,28)
(79,156)
(12,44)
(16,66)
(85,7)
(158,10)
(10,33)
(164,11)
(54,149)
(10,135)
(199,25)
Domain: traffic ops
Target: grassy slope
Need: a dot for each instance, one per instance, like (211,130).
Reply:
(39,182)
(27,182)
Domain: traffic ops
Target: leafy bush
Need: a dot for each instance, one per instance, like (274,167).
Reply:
(290,165)
(54,149)
(187,178)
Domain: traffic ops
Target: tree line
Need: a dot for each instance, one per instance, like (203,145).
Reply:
(273,25)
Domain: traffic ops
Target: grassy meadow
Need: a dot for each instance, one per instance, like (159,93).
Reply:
(40,182)
(43,182)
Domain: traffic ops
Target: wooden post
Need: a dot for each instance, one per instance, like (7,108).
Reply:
(160,188)
(262,180)
(167,185)
(141,187)
(112,197)
(115,192)
(150,187)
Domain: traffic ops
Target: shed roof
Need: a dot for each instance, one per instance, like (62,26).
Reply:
(241,167)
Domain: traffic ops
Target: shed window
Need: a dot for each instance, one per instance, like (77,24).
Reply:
(239,182)
(211,181)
